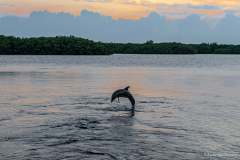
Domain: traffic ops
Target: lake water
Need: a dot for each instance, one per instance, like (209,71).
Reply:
(58,107)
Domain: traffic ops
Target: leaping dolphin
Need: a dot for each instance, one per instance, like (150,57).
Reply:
(126,94)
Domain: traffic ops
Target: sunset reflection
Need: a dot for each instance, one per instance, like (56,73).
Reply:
(143,82)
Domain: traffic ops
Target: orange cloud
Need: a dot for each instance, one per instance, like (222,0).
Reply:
(130,9)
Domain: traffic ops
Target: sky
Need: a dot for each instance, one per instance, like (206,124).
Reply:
(187,21)
(124,9)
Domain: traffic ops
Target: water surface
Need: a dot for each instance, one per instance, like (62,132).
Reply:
(58,107)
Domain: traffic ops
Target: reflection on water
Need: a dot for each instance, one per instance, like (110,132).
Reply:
(187,107)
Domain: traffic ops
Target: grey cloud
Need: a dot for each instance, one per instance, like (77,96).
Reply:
(95,26)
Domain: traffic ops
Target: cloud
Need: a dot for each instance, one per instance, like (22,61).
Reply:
(101,1)
(127,9)
(191,29)
(6,5)
(184,10)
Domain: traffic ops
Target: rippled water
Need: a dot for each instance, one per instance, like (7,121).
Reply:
(58,107)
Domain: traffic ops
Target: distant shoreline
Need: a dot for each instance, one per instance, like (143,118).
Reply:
(70,45)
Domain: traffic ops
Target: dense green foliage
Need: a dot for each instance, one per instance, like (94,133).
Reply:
(51,46)
(79,46)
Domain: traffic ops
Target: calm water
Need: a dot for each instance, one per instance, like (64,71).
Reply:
(58,107)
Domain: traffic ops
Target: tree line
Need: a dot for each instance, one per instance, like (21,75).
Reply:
(70,45)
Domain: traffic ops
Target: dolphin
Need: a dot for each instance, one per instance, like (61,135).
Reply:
(126,94)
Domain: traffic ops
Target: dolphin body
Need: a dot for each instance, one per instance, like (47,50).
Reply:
(126,94)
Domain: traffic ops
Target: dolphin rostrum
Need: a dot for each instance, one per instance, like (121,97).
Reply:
(126,94)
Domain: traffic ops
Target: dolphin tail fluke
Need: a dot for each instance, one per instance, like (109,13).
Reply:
(127,88)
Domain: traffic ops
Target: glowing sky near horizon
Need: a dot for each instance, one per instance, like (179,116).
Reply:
(127,9)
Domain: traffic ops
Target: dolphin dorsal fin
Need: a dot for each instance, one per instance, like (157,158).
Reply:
(127,88)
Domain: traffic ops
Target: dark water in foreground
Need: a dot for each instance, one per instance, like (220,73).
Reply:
(187,107)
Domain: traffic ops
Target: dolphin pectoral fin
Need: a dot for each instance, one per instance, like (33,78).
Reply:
(118,100)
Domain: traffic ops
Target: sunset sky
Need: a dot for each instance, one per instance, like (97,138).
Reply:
(127,9)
